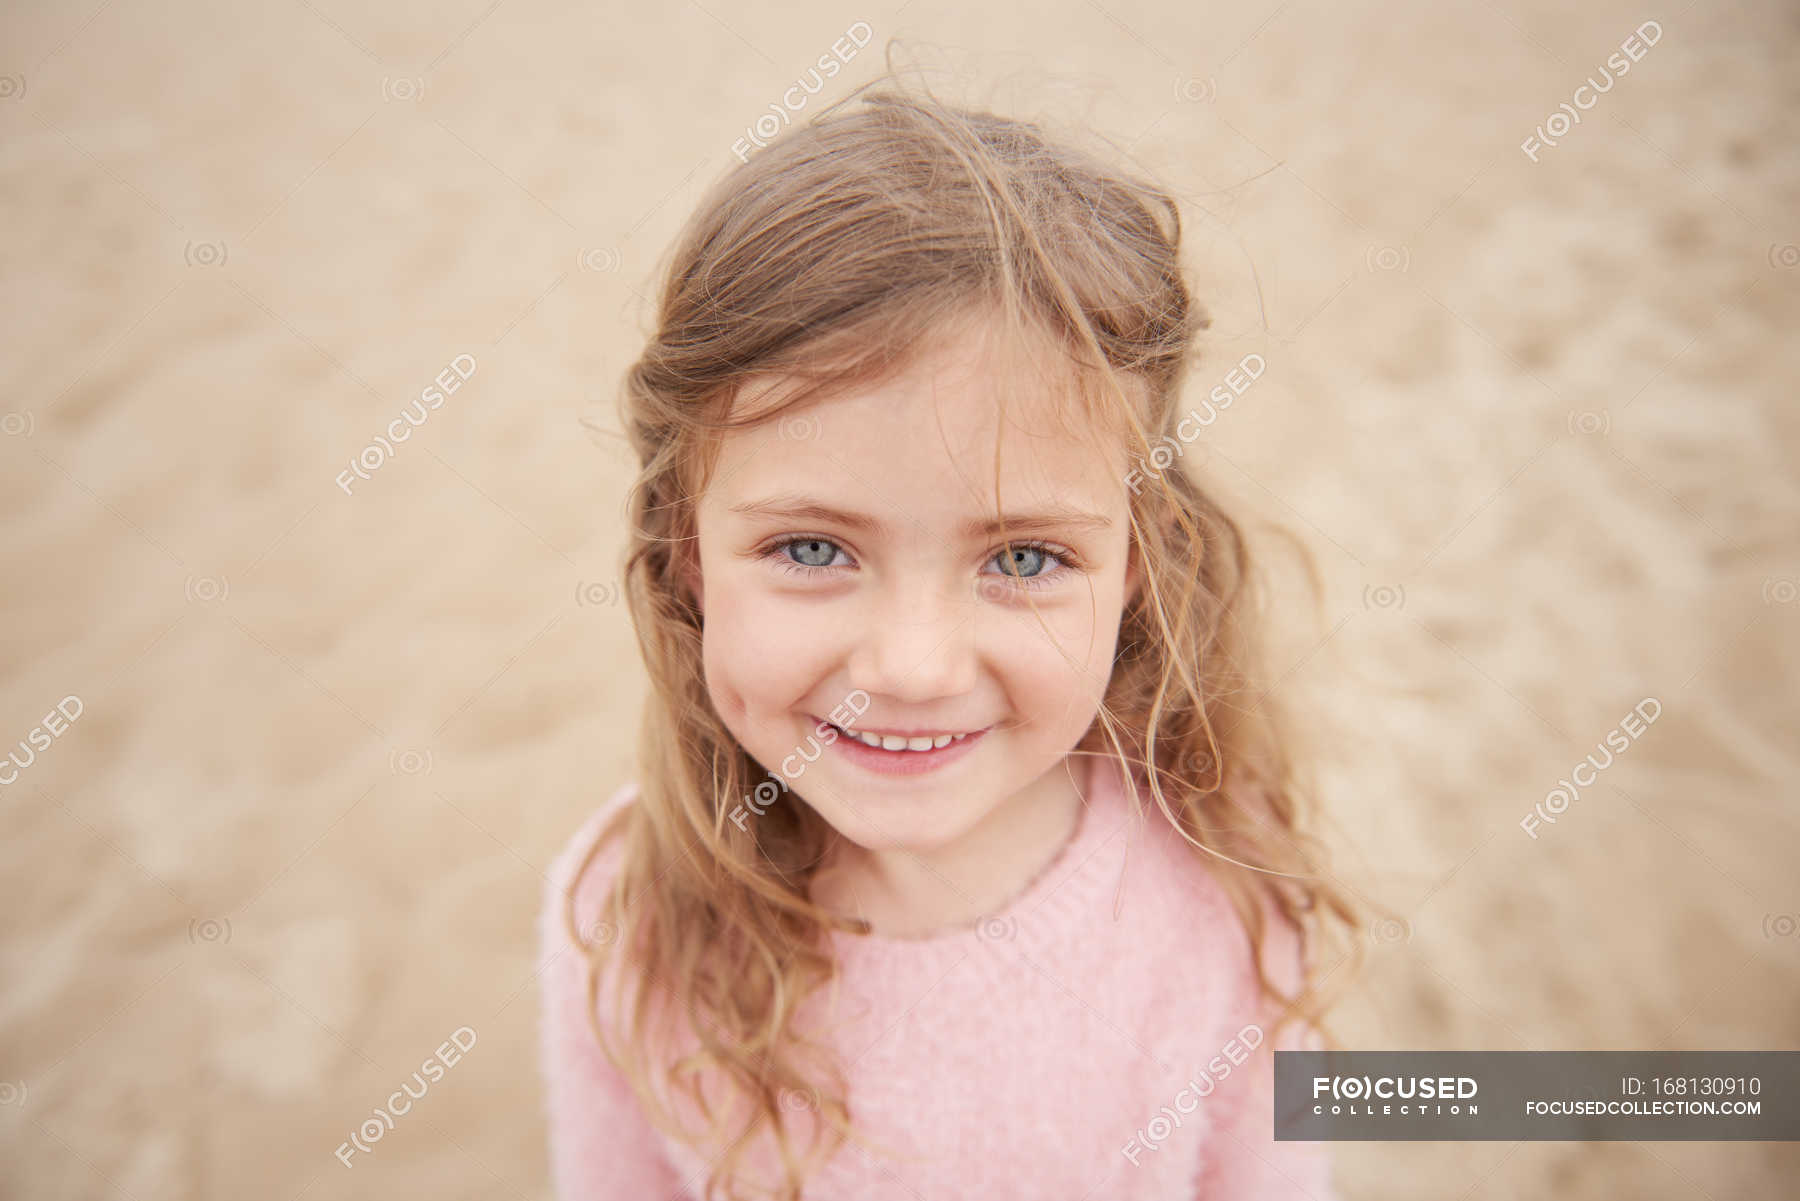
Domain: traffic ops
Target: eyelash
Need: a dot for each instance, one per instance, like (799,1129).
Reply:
(1041,580)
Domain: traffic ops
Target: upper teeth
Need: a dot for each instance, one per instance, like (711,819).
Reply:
(894,742)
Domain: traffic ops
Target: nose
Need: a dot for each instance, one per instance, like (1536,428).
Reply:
(918,646)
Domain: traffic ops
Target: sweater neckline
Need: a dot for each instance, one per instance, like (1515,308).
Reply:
(1101,788)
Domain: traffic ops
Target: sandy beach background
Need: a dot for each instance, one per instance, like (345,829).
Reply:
(1533,410)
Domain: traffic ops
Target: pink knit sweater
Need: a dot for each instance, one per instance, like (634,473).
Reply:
(1088,1041)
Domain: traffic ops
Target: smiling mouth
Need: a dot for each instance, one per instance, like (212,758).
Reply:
(896,742)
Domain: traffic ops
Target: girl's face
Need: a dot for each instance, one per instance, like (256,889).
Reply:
(848,576)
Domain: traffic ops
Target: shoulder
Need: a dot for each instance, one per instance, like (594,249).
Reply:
(1199,910)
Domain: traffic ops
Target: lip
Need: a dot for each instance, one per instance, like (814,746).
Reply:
(905,763)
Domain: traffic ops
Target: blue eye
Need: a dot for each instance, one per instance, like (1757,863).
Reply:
(806,546)
(1030,552)
(1028,566)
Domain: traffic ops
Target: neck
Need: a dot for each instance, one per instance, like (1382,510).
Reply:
(917,893)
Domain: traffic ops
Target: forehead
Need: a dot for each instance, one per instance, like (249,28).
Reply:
(924,441)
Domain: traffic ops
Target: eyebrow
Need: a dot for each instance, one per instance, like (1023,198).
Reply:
(803,508)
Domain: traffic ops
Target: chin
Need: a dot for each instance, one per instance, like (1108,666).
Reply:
(887,829)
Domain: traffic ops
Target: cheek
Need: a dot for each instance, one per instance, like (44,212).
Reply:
(763,653)
(1081,627)
(1063,671)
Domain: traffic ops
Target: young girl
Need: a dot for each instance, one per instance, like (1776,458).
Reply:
(964,858)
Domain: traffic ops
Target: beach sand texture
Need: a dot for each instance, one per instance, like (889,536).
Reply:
(1532,409)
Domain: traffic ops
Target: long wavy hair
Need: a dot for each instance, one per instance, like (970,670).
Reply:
(828,261)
